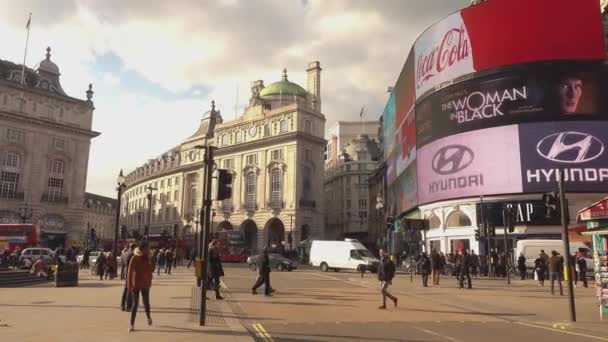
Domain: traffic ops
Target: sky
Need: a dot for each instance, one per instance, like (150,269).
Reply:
(156,65)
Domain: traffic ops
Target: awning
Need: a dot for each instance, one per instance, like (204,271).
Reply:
(578,229)
(596,211)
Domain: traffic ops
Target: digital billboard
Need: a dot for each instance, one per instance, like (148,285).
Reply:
(388,125)
(505,32)
(578,149)
(524,93)
(402,194)
(470,164)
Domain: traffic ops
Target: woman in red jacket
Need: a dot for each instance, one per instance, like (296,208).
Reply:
(140,280)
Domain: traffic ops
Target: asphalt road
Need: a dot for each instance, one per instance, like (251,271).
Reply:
(313,306)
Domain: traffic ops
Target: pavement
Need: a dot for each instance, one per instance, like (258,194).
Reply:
(91,312)
(309,305)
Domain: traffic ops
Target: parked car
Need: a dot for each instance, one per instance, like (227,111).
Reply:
(277,261)
(30,255)
(349,254)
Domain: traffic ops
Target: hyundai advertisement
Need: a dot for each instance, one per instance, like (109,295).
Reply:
(533,92)
(578,149)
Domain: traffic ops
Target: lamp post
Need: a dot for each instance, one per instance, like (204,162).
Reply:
(150,188)
(207,127)
(26,215)
(120,185)
(380,212)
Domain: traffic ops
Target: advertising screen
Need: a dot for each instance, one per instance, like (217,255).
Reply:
(388,125)
(402,194)
(470,164)
(504,32)
(525,93)
(579,149)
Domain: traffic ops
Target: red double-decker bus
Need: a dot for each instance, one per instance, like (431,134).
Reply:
(231,246)
(20,235)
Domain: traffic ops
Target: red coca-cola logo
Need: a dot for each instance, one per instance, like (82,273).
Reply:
(454,47)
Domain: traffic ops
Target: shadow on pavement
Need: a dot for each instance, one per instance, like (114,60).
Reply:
(100,285)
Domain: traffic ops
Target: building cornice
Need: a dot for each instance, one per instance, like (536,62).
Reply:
(17,117)
(282,138)
(55,96)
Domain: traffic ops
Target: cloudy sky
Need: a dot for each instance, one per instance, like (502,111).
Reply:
(156,65)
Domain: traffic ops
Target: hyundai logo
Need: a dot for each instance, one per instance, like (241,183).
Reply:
(570,147)
(452,158)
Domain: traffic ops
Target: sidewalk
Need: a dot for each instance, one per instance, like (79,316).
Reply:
(91,312)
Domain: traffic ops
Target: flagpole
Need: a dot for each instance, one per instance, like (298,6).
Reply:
(27,39)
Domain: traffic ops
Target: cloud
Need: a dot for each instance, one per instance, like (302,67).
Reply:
(171,58)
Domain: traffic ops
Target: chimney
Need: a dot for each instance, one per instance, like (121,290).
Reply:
(314,84)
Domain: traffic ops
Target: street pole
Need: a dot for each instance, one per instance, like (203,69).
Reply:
(566,239)
(506,223)
(121,185)
(208,173)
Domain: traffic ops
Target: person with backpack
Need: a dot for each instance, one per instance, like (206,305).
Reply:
(521,266)
(386,273)
(540,269)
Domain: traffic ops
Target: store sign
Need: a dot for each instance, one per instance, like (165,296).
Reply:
(52,223)
(529,212)
(596,212)
(578,149)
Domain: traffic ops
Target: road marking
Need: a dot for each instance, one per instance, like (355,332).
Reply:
(222,284)
(561,325)
(563,331)
(262,333)
(430,332)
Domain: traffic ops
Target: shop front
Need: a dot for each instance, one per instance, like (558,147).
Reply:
(53,231)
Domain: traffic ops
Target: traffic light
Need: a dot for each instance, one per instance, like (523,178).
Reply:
(477,235)
(491,230)
(551,203)
(224,185)
(390,223)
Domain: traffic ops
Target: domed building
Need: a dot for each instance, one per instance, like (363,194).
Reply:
(274,151)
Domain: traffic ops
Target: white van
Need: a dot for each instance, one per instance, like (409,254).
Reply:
(531,250)
(337,255)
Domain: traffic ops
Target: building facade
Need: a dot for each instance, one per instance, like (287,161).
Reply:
(100,215)
(347,182)
(274,151)
(45,138)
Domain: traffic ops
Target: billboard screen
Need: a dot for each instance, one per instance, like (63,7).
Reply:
(525,93)
(402,194)
(388,125)
(470,164)
(579,149)
(504,32)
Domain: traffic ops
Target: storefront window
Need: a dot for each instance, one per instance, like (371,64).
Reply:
(459,244)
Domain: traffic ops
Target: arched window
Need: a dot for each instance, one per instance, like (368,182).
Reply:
(55,181)
(283,126)
(276,187)
(434,222)
(250,188)
(458,219)
(9,177)
(238,137)
(224,139)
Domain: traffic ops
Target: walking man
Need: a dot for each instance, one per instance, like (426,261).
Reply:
(386,272)
(126,300)
(474,263)
(168,261)
(463,264)
(101,264)
(556,265)
(582,268)
(160,260)
(424,268)
(263,264)
(215,269)
(521,266)
(436,266)
(140,280)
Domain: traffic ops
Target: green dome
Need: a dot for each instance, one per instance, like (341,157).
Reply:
(284,88)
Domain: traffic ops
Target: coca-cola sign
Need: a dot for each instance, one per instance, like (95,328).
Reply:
(442,53)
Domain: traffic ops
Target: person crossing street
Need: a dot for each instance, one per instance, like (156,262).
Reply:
(386,272)
(263,274)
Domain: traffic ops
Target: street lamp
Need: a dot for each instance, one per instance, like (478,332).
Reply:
(380,213)
(150,188)
(26,215)
(120,185)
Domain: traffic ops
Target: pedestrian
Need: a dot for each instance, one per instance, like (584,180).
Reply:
(111,266)
(386,272)
(581,263)
(424,268)
(521,266)
(556,265)
(100,264)
(540,271)
(215,269)
(169,259)
(263,264)
(123,266)
(474,263)
(160,260)
(126,300)
(192,257)
(436,266)
(463,265)
(85,258)
(140,280)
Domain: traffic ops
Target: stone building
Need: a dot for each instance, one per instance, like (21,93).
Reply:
(346,183)
(99,214)
(45,137)
(274,151)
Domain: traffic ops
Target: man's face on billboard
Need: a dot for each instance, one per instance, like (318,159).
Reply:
(570,91)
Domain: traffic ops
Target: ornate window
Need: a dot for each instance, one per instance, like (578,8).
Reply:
(238,137)
(276,154)
(55,181)
(266,130)
(458,219)
(250,189)
(252,159)
(434,222)
(276,187)
(224,139)
(229,163)
(9,177)
(283,126)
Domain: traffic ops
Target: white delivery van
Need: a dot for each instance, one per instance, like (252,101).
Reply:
(337,255)
(531,250)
